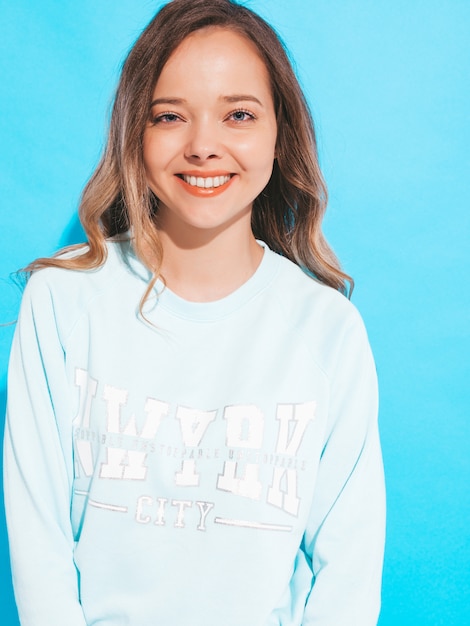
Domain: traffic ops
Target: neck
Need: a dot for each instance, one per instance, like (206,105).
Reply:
(203,266)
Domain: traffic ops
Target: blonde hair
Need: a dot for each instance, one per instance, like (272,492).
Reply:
(287,215)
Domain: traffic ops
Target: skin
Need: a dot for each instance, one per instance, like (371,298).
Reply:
(212,115)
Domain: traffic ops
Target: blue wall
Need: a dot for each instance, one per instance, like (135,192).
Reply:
(389,88)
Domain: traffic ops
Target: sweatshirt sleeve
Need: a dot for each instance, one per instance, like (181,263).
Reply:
(344,539)
(38,468)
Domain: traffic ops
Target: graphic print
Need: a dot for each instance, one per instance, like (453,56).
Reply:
(114,444)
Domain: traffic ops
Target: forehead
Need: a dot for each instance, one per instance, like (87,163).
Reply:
(217,57)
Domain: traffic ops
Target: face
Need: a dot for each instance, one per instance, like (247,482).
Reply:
(210,141)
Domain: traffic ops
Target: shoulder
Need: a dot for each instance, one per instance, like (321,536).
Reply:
(67,293)
(65,281)
(321,317)
(306,300)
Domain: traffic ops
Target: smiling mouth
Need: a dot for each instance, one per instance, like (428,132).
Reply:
(205,185)
(205,182)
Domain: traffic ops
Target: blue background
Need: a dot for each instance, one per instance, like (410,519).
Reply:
(389,87)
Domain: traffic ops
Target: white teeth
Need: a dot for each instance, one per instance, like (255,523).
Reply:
(206,183)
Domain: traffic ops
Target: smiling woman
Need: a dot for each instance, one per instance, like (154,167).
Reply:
(208,154)
(209,133)
(193,402)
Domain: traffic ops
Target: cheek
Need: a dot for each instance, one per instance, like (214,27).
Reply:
(147,154)
(257,155)
(267,145)
(263,162)
(266,156)
(152,162)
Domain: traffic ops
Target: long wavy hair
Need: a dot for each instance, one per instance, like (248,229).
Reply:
(287,215)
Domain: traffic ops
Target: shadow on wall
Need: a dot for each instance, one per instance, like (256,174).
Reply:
(73,233)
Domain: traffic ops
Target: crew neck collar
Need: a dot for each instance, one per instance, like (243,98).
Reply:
(164,299)
(216,309)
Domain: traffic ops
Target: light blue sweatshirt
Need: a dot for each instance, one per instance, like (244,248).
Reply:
(215,464)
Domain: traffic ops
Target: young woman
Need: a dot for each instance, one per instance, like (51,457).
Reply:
(192,426)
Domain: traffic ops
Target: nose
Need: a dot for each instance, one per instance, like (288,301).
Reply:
(203,141)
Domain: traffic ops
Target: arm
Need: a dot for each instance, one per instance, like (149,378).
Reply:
(38,469)
(344,538)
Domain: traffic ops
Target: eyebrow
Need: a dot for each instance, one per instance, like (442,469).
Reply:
(240,98)
(230,99)
(167,101)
